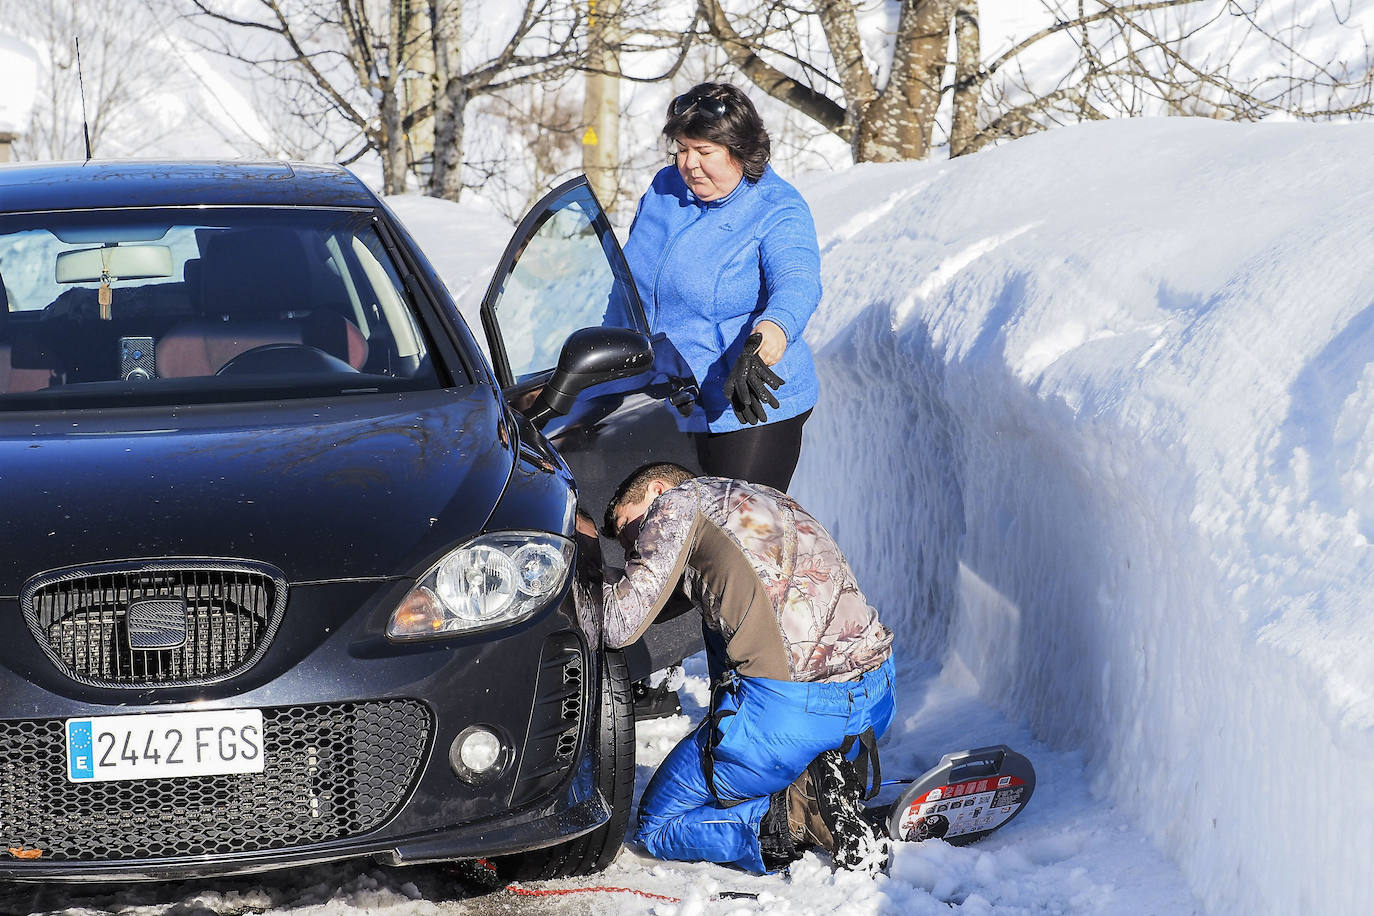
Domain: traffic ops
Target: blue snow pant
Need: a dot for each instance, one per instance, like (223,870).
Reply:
(778,728)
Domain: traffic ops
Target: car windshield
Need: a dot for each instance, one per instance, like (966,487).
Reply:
(201,304)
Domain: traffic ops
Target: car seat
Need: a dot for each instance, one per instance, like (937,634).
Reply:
(254,289)
(24,365)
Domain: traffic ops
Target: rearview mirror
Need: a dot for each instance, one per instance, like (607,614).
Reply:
(136,262)
(590,356)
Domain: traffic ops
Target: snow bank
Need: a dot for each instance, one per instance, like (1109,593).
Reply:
(1101,400)
(463,241)
(19,77)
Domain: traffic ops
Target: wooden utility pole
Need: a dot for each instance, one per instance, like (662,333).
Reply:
(601,106)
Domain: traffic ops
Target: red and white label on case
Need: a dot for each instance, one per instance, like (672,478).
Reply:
(963,807)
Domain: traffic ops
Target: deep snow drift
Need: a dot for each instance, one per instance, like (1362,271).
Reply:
(1104,403)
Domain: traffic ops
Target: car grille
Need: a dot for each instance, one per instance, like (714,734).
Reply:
(556,721)
(162,624)
(332,772)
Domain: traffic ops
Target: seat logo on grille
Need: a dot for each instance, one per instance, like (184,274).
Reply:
(157,623)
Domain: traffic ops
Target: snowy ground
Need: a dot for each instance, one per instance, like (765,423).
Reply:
(1096,434)
(1067,853)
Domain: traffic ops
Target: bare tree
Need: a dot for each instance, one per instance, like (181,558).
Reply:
(118,68)
(388,76)
(524,140)
(1123,57)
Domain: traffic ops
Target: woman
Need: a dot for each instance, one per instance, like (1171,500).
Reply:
(725,258)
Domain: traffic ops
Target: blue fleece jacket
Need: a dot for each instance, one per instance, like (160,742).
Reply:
(708,271)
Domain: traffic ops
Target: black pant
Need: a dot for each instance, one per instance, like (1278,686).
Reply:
(765,454)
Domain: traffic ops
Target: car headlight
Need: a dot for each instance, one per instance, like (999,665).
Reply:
(492,580)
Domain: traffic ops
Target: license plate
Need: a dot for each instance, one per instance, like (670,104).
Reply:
(164,745)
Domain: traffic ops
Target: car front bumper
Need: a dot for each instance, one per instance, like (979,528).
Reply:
(357,732)
(579,809)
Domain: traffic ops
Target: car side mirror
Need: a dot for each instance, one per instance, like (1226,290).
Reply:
(590,356)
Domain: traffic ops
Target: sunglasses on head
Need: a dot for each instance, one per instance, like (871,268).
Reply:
(709,108)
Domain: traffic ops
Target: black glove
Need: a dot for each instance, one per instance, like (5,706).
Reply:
(748,386)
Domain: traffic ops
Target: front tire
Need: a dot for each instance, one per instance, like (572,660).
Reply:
(615,737)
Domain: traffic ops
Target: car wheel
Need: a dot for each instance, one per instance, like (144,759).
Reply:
(616,742)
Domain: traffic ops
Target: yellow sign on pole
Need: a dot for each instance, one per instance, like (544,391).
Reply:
(589,138)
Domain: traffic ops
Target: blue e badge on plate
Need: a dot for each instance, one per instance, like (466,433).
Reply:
(80,753)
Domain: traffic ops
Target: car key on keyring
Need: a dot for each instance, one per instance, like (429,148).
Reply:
(105,296)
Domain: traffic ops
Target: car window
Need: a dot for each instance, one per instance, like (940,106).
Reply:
(560,278)
(202,304)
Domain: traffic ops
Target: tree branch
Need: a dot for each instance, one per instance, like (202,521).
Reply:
(744,56)
(1110,12)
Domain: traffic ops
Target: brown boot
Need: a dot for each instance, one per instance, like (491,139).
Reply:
(804,815)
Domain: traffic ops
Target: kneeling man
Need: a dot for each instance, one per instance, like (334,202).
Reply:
(801,668)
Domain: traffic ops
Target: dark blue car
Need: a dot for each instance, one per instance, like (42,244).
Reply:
(288,570)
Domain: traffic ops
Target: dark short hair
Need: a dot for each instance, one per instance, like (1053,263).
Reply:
(740,129)
(633,488)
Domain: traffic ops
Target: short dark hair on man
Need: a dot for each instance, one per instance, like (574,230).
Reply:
(740,129)
(632,488)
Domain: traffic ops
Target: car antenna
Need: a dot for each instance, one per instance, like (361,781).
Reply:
(81,84)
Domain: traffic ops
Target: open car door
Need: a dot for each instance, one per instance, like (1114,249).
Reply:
(562,271)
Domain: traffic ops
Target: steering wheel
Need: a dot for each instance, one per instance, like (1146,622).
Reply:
(282,359)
